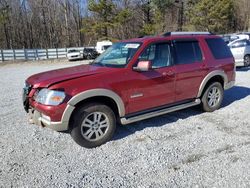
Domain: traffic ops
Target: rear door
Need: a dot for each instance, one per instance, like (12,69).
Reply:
(190,68)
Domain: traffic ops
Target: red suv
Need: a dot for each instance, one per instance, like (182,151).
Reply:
(133,80)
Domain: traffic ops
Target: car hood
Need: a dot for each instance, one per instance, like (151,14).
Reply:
(46,79)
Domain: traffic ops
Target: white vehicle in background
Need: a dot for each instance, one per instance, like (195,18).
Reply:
(102,46)
(241,51)
(243,36)
(74,54)
(229,38)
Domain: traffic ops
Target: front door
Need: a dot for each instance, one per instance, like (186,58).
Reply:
(155,87)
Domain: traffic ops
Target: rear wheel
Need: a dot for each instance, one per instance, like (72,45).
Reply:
(93,125)
(212,97)
(247,61)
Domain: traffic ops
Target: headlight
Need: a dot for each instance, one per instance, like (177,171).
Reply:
(50,97)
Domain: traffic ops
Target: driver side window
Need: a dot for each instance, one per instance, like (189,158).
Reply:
(159,54)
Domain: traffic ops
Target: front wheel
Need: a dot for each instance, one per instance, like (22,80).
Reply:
(93,125)
(212,97)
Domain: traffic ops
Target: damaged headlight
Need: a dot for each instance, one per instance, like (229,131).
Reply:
(50,97)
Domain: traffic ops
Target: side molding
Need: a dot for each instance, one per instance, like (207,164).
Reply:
(209,76)
(98,93)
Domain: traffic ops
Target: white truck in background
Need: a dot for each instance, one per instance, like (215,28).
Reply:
(102,46)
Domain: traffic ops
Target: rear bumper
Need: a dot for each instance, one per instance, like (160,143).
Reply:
(36,117)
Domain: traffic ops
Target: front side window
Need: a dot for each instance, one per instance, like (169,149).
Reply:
(118,55)
(73,51)
(159,54)
(187,52)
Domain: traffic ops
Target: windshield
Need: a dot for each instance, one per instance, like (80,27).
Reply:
(106,47)
(72,51)
(118,55)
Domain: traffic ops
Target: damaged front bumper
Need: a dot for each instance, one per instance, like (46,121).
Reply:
(42,120)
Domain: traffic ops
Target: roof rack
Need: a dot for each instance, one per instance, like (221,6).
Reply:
(145,36)
(186,33)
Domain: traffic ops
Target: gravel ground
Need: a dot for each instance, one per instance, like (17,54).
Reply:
(182,149)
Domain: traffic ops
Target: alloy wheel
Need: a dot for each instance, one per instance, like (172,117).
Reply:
(214,96)
(95,126)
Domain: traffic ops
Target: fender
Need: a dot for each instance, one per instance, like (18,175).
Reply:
(88,94)
(98,93)
(209,76)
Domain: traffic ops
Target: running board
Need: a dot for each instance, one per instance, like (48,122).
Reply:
(148,115)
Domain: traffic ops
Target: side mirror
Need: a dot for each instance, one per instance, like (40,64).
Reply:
(143,66)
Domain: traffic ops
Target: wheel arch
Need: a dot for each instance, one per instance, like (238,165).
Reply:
(105,95)
(218,75)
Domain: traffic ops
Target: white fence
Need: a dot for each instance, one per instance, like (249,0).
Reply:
(34,54)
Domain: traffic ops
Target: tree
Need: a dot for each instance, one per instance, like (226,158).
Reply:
(242,13)
(104,13)
(106,19)
(64,23)
(4,21)
(212,15)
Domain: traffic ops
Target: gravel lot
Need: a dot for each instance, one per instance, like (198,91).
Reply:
(182,149)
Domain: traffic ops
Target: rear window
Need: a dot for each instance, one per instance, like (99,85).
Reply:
(88,50)
(219,48)
(188,52)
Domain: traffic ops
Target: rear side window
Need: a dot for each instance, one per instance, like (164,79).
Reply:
(219,48)
(188,52)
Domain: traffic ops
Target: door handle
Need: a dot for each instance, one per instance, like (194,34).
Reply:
(168,74)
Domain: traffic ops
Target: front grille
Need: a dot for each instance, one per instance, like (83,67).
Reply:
(26,90)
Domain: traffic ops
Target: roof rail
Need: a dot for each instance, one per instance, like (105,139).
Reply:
(186,33)
(144,36)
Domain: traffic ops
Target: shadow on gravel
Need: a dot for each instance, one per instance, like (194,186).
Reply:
(243,69)
(126,130)
(235,94)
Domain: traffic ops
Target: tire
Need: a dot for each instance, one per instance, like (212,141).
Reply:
(93,125)
(89,57)
(212,97)
(247,61)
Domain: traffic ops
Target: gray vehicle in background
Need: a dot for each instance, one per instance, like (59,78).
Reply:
(241,51)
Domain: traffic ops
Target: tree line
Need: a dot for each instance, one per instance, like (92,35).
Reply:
(67,23)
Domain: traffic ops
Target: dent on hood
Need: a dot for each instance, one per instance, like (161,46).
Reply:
(46,79)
